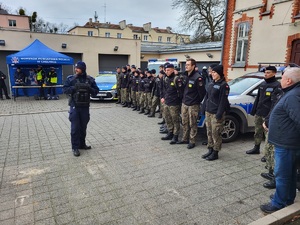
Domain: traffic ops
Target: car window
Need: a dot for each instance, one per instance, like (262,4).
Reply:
(109,79)
(241,84)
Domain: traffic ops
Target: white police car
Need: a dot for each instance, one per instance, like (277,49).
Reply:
(106,82)
(243,91)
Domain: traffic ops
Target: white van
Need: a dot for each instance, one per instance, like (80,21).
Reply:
(155,63)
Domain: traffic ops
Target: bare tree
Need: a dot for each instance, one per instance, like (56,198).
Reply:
(204,17)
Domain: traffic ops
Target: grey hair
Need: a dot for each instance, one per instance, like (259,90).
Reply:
(293,73)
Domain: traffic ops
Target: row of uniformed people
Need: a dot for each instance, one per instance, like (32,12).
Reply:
(180,95)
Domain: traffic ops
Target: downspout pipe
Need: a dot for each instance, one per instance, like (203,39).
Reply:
(224,30)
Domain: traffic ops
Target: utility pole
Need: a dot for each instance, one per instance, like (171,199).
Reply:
(104,12)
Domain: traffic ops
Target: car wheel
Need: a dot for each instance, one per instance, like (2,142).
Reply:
(231,129)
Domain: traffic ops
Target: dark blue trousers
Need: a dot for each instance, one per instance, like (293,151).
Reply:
(79,118)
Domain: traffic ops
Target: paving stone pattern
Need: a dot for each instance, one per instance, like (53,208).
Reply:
(129,177)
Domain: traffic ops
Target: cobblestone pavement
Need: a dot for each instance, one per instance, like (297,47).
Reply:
(129,177)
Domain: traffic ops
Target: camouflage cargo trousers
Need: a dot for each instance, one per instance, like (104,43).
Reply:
(119,94)
(172,118)
(133,97)
(259,130)
(142,99)
(189,115)
(269,154)
(137,98)
(124,95)
(148,101)
(214,129)
(155,103)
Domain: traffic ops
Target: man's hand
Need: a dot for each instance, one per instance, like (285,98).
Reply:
(265,127)
(162,100)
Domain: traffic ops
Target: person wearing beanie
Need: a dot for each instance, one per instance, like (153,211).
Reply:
(141,93)
(216,105)
(134,83)
(149,81)
(124,86)
(79,87)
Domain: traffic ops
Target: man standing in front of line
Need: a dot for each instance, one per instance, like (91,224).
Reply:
(79,87)
(284,133)
(193,94)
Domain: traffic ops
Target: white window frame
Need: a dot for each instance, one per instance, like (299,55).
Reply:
(12,23)
(159,39)
(90,33)
(242,42)
(107,34)
(169,39)
(119,35)
(135,37)
(145,38)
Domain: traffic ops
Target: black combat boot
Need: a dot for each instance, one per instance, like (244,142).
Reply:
(159,115)
(118,102)
(169,136)
(138,109)
(142,111)
(174,140)
(147,112)
(210,150)
(135,108)
(270,184)
(263,159)
(213,156)
(268,176)
(125,104)
(152,114)
(129,104)
(254,150)
(162,122)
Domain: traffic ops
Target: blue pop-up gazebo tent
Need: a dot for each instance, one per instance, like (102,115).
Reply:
(33,55)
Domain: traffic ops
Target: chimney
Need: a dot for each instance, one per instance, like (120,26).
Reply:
(129,25)
(90,21)
(147,26)
(122,24)
(169,29)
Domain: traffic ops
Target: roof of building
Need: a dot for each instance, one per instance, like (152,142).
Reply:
(181,48)
(3,12)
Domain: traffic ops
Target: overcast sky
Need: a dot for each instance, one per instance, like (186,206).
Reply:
(137,12)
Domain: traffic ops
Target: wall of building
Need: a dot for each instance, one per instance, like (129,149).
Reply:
(22,22)
(268,40)
(88,47)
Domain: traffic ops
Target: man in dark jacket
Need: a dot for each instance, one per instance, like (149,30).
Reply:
(262,106)
(124,86)
(79,87)
(193,94)
(3,86)
(171,97)
(20,80)
(284,133)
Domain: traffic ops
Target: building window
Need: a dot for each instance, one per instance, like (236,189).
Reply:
(12,23)
(159,38)
(90,33)
(242,42)
(119,35)
(168,39)
(135,36)
(107,34)
(145,37)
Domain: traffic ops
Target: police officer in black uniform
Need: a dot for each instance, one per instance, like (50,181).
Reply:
(79,87)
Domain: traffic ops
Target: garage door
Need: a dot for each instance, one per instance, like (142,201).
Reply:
(69,69)
(110,62)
